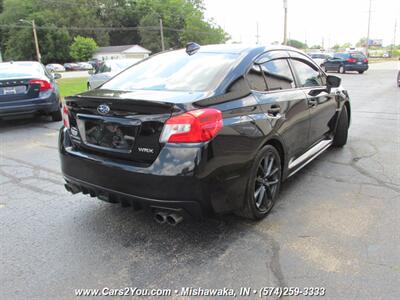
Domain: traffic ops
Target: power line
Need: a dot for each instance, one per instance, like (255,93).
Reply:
(149,28)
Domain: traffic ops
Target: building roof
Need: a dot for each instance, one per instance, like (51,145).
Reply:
(122,49)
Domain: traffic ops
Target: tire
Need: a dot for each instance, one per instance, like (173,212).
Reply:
(360,72)
(56,116)
(341,69)
(263,184)
(342,128)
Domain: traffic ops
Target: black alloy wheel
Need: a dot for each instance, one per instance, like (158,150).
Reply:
(264,184)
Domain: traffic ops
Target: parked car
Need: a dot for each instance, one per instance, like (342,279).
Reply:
(55,68)
(26,89)
(347,61)
(398,79)
(108,69)
(320,58)
(85,66)
(202,130)
(72,67)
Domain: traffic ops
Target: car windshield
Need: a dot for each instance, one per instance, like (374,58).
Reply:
(175,71)
(20,70)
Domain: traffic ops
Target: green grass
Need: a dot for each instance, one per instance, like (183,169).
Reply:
(72,86)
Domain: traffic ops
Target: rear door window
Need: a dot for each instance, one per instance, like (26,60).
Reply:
(278,75)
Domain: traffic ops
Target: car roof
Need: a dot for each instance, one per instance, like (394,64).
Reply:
(241,48)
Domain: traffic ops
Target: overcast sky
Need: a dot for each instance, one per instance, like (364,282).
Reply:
(334,21)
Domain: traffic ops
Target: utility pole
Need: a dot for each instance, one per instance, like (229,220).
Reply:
(369,26)
(162,35)
(394,37)
(285,7)
(32,23)
(36,41)
(257,35)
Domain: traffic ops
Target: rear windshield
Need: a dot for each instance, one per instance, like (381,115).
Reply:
(318,56)
(20,70)
(357,55)
(175,71)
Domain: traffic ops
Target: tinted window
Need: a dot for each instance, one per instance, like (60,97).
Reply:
(318,56)
(357,55)
(307,75)
(20,70)
(341,55)
(278,75)
(256,79)
(175,71)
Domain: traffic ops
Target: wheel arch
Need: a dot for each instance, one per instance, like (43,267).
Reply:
(275,142)
(347,105)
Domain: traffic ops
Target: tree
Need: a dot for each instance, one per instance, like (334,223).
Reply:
(346,45)
(297,44)
(316,47)
(362,42)
(83,48)
(336,47)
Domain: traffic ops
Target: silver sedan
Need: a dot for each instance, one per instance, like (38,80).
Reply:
(107,70)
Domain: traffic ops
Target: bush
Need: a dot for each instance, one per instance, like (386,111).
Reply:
(83,48)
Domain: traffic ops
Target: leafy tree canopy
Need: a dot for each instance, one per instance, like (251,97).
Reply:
(108,22)
(297,44)
(82,48)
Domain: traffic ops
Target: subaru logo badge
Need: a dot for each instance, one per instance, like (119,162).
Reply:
(103,109)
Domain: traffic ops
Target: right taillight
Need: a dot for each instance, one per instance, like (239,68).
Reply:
(366,60)
(195,126)
(65,116)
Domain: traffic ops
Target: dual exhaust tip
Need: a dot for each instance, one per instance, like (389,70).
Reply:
(162,217)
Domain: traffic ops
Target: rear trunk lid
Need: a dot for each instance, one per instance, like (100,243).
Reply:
(123,125)
(17,89)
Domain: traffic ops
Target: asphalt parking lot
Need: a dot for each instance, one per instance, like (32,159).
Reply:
(336,224)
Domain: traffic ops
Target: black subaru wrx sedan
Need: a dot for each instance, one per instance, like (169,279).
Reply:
(203,130)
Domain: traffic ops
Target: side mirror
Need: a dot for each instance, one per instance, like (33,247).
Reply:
(333,81)
(57,76)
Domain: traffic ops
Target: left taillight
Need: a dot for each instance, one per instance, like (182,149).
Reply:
(44,85)
(195,126)
(65,115)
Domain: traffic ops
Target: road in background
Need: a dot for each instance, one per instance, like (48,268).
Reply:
(335,225)
(75,74)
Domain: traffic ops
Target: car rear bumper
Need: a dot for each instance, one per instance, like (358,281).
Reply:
(355,67)
(15,108)
(181,178)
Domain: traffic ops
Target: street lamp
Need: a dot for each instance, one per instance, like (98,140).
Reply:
(32,23)
(285,7)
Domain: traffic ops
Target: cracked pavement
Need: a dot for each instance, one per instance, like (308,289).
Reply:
(335,225)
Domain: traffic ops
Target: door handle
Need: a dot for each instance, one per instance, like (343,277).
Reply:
(274,110)
(312,102)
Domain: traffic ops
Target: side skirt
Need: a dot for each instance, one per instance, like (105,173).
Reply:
(300,162)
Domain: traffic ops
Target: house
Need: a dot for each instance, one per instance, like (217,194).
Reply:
(121,52)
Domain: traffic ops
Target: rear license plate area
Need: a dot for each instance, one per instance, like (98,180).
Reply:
(108,133)
(12,90)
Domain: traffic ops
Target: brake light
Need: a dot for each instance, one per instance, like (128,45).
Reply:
(366,60)
(192,127)
(351,60)
(44,85)
(65,116)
